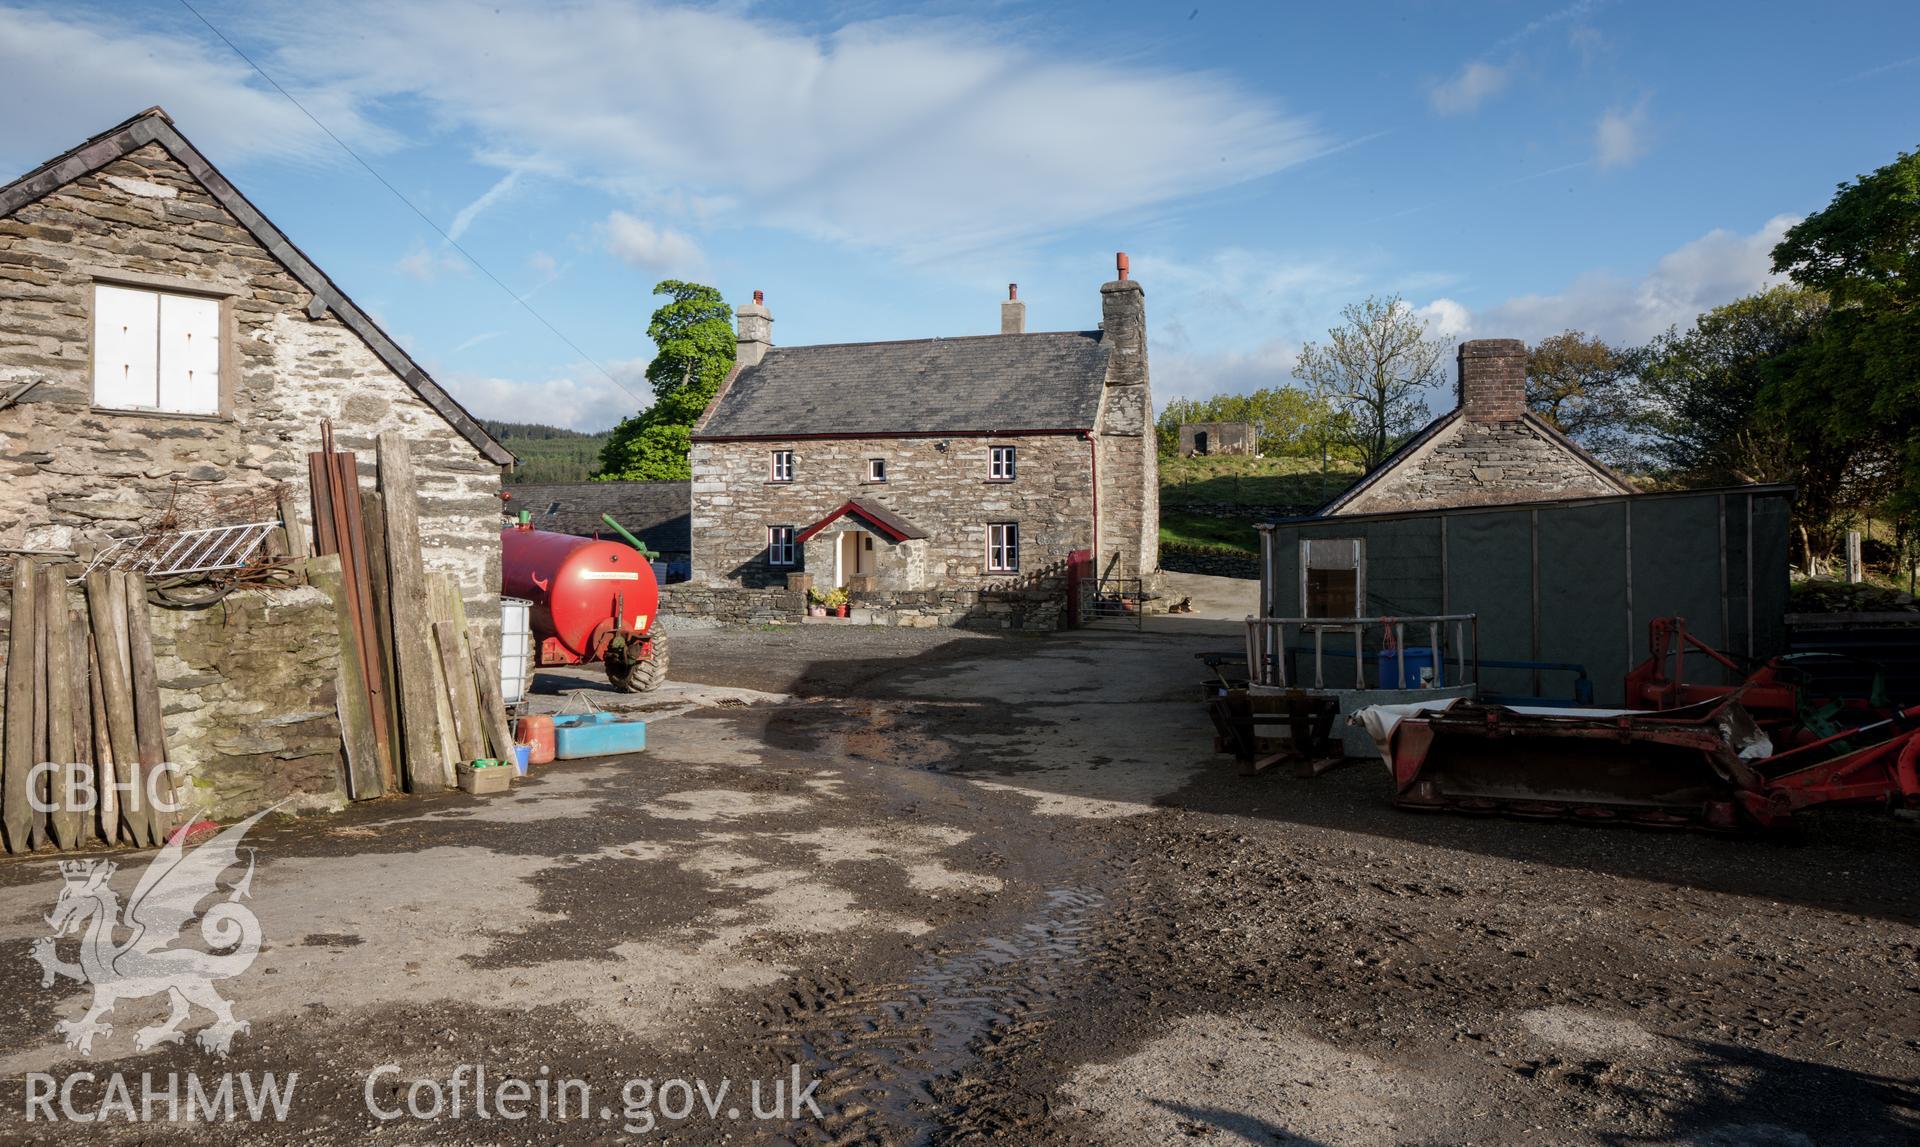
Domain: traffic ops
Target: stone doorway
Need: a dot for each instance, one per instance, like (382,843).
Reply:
(853,557)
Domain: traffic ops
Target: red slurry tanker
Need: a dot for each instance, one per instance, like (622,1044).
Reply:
(593,600)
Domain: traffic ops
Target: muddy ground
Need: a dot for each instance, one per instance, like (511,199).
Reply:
(999,887)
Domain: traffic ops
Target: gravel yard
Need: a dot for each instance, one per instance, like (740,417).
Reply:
(981,886)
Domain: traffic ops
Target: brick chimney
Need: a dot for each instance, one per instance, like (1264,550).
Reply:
(1493,380)
(1123,321)
(756,332)
(1013,312)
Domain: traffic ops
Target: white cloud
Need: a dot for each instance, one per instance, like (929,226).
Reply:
(581,398)
(656,250)
(1620,138)
(1186,374)
(425,265)
(1477,83)
(1445,319)
(466,215)
(73,75)
(906,134)
(1714,269)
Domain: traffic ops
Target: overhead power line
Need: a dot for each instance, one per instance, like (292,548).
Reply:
(424,217)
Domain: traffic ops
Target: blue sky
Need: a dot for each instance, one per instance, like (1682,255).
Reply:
(883,171)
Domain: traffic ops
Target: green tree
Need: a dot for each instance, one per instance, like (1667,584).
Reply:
(1370,373)
(693,342)
(1586,389)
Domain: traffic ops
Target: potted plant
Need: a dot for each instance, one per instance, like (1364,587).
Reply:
(817,602)
(837,602)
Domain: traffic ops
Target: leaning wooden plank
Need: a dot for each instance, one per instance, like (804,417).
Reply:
(107,610)
(373,514)
(83,770)
(466,705)
(359,585)
(356,726)
(439,609)
(493,711)
(66,819)
(38,833)
(15,813)
(297,542)
(149,730)
(106,771)
(320,485)
(426,766)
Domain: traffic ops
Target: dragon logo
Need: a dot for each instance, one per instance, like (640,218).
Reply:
(164,903)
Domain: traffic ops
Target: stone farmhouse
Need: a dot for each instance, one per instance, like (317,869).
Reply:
(942,465)
(1488,450)
(160,339)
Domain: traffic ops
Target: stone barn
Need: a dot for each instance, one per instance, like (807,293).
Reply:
(163,343)
(1489,450)
(931,468)
(1205,439)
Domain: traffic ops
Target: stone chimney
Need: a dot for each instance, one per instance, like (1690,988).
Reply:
(756,332)
(1493,380)
(1123,321)
(1013,312)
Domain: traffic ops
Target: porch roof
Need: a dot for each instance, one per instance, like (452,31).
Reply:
(879,517)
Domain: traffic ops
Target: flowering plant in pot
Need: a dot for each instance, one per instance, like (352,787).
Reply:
(817,602)
(836,601)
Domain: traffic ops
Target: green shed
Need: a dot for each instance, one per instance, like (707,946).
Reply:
(1572,581)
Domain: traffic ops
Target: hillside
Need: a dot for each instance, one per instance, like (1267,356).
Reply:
(548,453)
(1217,501)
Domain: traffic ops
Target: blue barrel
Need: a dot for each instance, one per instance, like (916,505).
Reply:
(1419,662)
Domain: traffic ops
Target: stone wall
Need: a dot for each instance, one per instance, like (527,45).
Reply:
(940,485)
(1221,438)
(1471,463)
(729,605)
(1038,606)
(74,473)
(1129,543)
(1216,561)
(248,690)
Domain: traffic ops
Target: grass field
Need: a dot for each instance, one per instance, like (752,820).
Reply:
(1199,496)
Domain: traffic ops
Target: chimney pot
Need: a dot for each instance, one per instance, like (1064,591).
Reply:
(755,332)
(1121,265)
(1013,291)
(1493,380)
(760,297)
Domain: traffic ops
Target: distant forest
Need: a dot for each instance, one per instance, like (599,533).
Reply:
(548,453)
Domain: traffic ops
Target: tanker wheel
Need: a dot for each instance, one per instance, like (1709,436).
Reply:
(643,675)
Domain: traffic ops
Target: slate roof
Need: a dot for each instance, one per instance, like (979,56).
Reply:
(975,385)
(658,513)
(155,126)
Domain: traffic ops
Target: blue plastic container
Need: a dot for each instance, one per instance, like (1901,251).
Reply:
(1419,661)
(522,757)
(596,735)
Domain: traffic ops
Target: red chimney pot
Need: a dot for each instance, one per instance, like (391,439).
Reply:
(1013,291)
(1120,263)
(759,297)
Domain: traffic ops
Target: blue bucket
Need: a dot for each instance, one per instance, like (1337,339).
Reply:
(522,756)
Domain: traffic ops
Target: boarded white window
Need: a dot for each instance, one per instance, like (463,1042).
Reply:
(153,350)
(1333,577)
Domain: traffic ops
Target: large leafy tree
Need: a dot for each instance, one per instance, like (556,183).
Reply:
(1856,387)
(1585,388)
(1370,373)
(693,341)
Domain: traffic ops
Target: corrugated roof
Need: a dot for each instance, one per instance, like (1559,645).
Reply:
(980,384)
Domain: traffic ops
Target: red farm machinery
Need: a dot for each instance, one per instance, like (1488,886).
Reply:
(593,600)
(1749,753)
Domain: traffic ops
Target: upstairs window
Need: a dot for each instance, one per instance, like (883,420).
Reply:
(1000,463)
(876,469)
(155,350)
(1003,547)
(780,546)
(1333,576)
(781,468)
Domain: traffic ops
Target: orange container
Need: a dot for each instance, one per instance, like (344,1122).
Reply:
(535,732)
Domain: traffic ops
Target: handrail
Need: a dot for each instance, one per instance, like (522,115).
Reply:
(1267,644)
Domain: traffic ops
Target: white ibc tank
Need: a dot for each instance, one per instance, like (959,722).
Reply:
(516,649)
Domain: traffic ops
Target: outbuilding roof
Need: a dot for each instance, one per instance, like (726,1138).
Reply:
(154,126)
(984,384)
(659,513)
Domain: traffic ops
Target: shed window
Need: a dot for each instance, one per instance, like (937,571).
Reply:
(1333,577)
(153,350)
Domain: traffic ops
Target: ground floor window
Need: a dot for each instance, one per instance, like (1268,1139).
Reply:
(1003,547)
(780,546)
